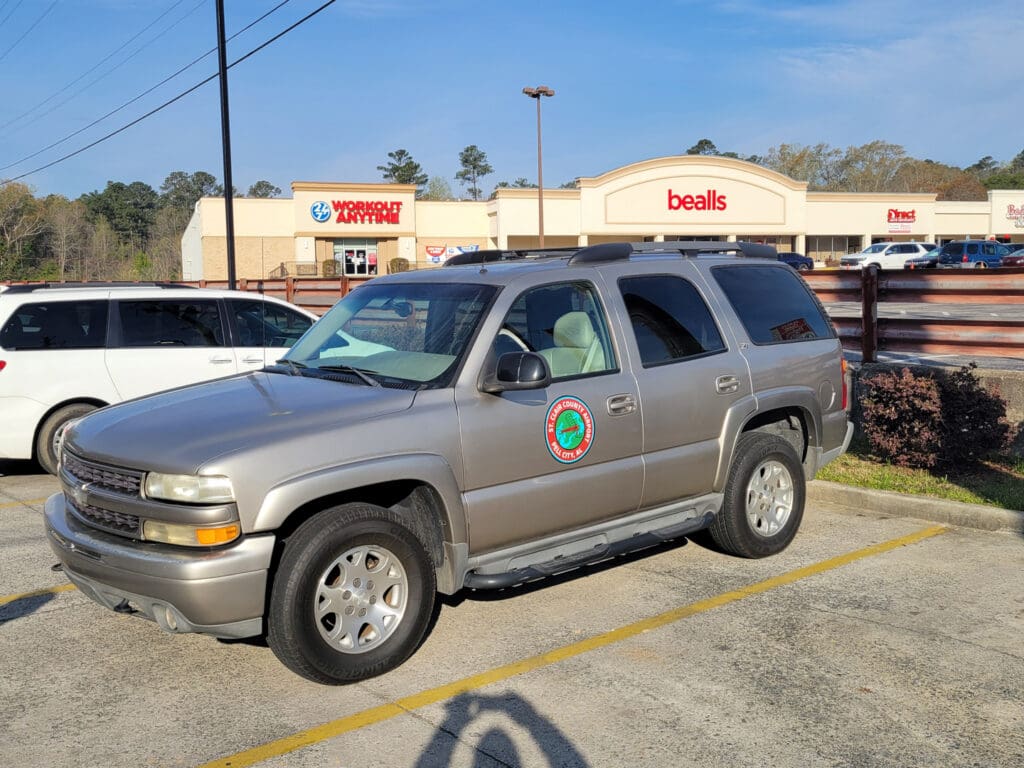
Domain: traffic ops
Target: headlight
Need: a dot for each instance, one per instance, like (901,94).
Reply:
(189,535)
(190,489)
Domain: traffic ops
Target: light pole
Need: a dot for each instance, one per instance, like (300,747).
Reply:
(536,93)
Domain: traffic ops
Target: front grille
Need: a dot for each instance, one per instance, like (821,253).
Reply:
(107,520)
(101,476)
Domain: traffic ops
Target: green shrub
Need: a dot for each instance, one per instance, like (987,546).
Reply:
(902,418)
(924,421)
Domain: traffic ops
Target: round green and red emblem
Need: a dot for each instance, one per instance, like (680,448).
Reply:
(569,429)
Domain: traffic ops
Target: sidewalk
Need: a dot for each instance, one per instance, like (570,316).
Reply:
(923,507)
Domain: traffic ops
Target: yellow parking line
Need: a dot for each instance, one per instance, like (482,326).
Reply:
(4,600)
(434,695)
(25,503)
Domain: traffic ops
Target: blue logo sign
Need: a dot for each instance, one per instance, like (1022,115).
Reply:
(320,211)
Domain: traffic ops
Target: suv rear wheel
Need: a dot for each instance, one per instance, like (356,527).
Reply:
(352,597)
(764,498)
(52,431)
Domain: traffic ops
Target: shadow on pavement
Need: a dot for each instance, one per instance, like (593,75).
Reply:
(14,468)
(495,744)
(25,606)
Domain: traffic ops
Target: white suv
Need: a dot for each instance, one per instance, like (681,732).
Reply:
(67,349)
(885,255)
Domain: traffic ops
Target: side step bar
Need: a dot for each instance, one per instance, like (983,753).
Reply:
(601,552)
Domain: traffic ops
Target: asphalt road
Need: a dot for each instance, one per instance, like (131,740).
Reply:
(871,641)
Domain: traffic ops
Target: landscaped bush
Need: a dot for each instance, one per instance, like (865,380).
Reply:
(973,419)
(902,418)
(924,421)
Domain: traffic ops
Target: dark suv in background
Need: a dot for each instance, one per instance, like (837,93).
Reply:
(972,254)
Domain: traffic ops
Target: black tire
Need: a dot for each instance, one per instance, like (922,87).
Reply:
(803,268)
(311,565)
(52,429)
(742,527)
(980,265)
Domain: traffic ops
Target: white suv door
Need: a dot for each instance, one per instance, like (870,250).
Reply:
(162,343)
(264,330)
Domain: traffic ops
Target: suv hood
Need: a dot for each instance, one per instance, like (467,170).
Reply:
(182,429)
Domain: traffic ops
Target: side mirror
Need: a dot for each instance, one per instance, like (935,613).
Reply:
(517,371)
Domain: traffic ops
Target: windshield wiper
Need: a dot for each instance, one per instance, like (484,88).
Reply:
(349,369)
(294,368)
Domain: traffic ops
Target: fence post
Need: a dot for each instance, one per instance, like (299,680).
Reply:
(243,284)
(869,313)
(289,289)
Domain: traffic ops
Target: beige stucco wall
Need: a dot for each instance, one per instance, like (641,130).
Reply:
(844,213)
(692,195)
(683,196)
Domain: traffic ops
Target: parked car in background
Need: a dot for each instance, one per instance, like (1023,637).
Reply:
(885,255)
(797,261)
(1014,259)
(67,349)
(972,254)
(928,260)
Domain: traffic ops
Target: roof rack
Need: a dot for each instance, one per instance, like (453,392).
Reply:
(507,254)
(30,287)
(596,254)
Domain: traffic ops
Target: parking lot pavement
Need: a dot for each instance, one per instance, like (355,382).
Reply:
(871,641)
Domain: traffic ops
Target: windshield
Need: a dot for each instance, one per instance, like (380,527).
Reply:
(876,248)
(396,334)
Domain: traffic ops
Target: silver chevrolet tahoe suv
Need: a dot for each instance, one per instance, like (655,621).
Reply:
(510,416)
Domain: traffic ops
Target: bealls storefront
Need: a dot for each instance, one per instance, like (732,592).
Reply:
(366,229)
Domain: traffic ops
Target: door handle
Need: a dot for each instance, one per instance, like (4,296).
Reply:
(220,360)
(253,359)
(620,405)
(727,384)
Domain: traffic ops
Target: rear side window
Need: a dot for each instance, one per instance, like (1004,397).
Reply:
(670,319)
(170,323)
(262,324)
(774,305)
(56,325)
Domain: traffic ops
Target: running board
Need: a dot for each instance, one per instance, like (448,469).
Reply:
(598,553)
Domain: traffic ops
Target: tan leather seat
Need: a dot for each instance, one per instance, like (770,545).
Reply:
(577,348)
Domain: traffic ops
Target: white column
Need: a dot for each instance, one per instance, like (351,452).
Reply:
(582,240)
(659,238)
(800,244)
(730,238)
(865,241)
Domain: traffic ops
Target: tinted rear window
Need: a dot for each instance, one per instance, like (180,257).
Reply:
(56,325)
(172,323)
(773,304)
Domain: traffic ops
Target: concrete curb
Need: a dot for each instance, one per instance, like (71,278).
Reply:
(905,505)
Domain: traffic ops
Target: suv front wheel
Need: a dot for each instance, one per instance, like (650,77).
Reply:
(52,431)
(764,498)
(352,597)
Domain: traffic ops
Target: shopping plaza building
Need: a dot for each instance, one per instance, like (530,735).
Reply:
(330,228)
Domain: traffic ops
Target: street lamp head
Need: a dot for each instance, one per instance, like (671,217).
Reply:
(540,90)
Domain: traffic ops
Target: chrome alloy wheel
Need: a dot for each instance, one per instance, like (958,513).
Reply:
(769,498)
(361,599)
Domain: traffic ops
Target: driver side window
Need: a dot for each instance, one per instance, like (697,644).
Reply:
(565,324)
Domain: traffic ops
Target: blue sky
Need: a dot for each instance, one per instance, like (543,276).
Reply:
(633,81)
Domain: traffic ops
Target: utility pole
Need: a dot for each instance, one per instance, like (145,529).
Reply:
(225,126)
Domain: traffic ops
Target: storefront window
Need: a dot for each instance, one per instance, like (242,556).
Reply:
(356,257)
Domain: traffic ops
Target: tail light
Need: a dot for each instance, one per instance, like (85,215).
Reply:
(964,258)
(846,389)
(3,364)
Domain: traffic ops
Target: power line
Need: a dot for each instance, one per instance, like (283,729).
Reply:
(144,93)
(168,103)
(120,64)
(25,33)
(12,11)
(96,66)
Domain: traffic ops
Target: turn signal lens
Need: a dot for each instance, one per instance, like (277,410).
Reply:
(846,393)
(188,535)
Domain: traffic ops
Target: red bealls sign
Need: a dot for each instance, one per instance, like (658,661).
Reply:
(705,201)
